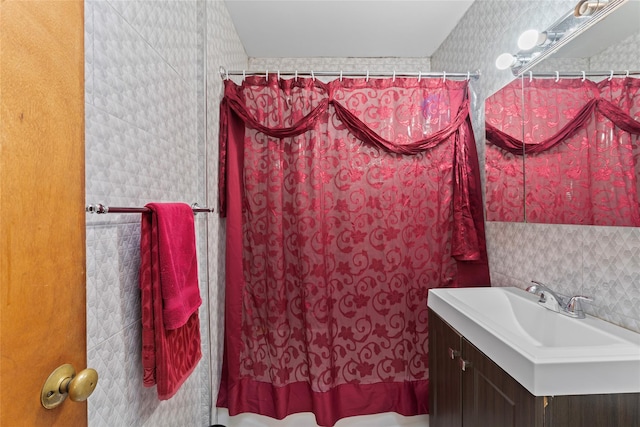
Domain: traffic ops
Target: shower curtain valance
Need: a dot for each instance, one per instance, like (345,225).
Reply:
(346,97)
(598,104)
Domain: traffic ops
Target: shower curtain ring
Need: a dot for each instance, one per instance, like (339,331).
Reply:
(444,76)
(557,76)
(610,76)
(584,76)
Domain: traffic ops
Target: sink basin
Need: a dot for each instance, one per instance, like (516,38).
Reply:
(547,352)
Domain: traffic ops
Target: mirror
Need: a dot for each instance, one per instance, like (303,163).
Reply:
(563,146)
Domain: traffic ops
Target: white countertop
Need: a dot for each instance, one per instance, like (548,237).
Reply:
(550,354)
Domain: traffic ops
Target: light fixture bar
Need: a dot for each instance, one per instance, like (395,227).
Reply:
(573,23)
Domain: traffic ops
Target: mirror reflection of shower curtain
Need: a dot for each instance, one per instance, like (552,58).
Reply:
(580,151)
(504,167)
(345,203)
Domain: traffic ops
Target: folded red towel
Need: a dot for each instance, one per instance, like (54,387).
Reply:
(178,262)
(169,289)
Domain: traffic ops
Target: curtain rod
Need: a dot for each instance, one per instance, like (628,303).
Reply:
(224,74)
(557,74)
(102,209)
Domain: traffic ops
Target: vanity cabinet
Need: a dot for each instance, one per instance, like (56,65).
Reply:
(445,376)
(467,389)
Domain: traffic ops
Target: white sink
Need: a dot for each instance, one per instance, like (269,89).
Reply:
(550,354)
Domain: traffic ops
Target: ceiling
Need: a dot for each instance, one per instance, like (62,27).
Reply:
(344,28)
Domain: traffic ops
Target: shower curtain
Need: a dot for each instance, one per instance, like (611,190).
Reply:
(580,152)
(345,203)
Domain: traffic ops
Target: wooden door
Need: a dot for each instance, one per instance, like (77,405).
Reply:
(42,219)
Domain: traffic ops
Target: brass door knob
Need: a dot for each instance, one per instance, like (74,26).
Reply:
(65,382)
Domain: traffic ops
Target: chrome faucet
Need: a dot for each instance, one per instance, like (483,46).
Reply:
(569,306)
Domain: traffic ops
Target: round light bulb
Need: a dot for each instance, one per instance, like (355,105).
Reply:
(529,39)
(504,61)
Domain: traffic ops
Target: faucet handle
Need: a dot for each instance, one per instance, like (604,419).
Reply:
(574,305)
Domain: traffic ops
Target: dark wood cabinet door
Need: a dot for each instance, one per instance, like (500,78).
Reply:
(445,394)
(492,398)
(596,410)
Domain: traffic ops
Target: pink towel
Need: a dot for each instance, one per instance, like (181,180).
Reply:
(170,297)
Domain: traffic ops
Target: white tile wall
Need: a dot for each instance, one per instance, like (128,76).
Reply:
(344,64)
(147,65)
(597,261)
(622,56)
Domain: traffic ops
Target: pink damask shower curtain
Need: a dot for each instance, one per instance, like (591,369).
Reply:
(579,139)
(345,202)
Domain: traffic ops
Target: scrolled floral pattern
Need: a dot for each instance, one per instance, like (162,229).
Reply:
(569,157)
(347,221)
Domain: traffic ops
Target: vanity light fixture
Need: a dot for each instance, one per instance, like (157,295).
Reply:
(534,38)
(507,60)
(535,46)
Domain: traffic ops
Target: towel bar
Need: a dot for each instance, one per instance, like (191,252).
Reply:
(102,209)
